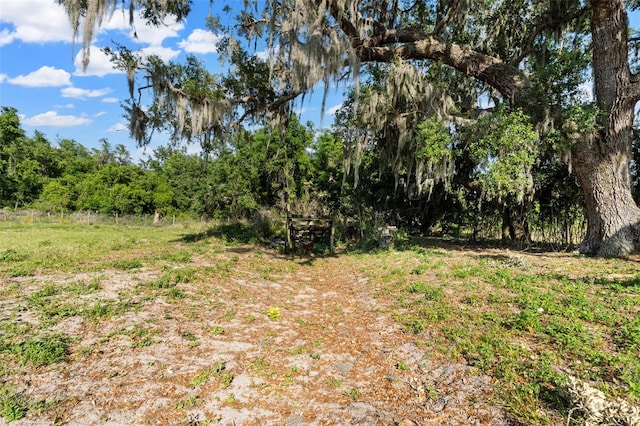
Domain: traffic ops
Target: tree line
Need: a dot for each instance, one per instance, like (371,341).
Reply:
(299,171)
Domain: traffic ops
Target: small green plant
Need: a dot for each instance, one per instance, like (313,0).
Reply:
(354,394)
(402,366)
(13,406)
(163,281)
(99,310)
(176,293)
(189,402)
(202,377)
(259,365)
(216,330)
(420,269)
(274,313)
(334,383)
(431,393)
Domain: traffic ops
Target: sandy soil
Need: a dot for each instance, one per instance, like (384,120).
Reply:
(332,357)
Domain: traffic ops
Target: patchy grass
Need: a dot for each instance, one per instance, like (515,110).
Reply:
(38,352)
(526,320)
(72,295)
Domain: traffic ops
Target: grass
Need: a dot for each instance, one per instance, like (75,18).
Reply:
(524,325)
(526,320)
(38,352)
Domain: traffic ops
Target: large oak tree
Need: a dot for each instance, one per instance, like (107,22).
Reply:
(497,43)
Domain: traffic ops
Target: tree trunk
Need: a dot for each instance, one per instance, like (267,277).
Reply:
(601,161)
(613,219)
(515,227)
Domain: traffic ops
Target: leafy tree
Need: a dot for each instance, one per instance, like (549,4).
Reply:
(25,163)
(185,178)
(55,196)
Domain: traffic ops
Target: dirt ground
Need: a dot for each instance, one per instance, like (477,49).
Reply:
(302,345)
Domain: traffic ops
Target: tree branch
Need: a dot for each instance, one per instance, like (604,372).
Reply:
(446,18)
(507,79)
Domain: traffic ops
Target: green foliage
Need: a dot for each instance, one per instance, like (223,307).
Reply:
(434,141)
(13,406)
(505,153)
(46,350)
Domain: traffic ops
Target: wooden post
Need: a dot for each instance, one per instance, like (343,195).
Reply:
(332,247)
(289,245)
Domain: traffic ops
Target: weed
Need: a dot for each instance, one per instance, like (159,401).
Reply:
(202,377)
(354,394)
(259,365)
(127,264)
(431,392)
(164,281)
(13,406)
(334,383)
(11,255)
(79,287)
(402,366)
(99,310)
(176,293)
(299,350)
(46,350)
(216,330)
(274,313)
(188,402)
(420,269)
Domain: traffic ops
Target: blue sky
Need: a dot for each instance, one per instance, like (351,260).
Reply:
(41,71)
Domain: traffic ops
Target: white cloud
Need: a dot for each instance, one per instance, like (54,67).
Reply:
(110,100)
(51,118)
(165,53)
(99,64)
(99,114)
(45,21)
(35,21)
(69,106)
(75,92)
(141,32)
(6,37)
(154,36)
(267,54)
(118,127)
(200,41)
(3,78)
(44,77)
(334,109)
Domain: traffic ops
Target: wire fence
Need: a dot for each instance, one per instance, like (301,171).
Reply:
(92,218)
(559,235)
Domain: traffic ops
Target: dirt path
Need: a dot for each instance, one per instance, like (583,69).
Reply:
(253,345)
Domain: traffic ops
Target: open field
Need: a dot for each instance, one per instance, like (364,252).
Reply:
(110,324)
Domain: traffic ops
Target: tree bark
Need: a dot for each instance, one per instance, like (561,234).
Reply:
(601,161)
